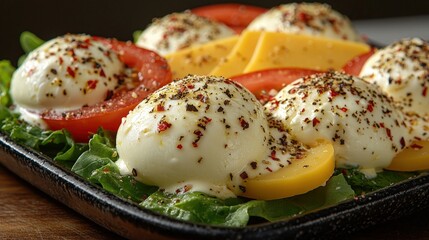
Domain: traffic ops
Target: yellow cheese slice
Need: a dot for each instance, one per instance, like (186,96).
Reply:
(299,177)
(200,59)
(412,158)
(239,56)
(277,50)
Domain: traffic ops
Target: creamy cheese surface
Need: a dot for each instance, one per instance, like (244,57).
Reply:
(180,30)
(365,127)
(66,73)
(402,72)
(203,134)
(306,18)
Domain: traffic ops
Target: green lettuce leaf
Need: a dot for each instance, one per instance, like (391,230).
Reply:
(235,212)
(124,186)
(136,35)
(29,41)
(362,185)
(6,71)
(101,152)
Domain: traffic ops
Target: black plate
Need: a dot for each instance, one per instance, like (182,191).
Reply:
(129,220)
(106,18)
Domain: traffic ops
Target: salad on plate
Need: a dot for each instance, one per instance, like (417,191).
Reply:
(226,115)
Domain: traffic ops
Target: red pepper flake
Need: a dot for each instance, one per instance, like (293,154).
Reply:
(82,45)
(92,84)
(244,175)
(201,98)
(416,146)
(269,169)
(206,119)
(243,123)
(160,107)
(179,146)
(61,60)
(389,134)
(304,17)
(198,133)
(187,188)
(102,73)
(315,121)
(195,144)
(382,125)
(370,106)
(163,125)
(71,72)
(425,91)
(273,155)
(402,141)
(106,170)
(344,109)
(333,93)
(191,86)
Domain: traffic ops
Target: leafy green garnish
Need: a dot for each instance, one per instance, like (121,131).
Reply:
(136,35)
(97,165)
(29,41)
(6,71)
(101,153)
(200,208)
(124,186)
(361,184)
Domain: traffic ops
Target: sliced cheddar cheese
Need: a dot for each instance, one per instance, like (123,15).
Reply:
(299,177)
(278,50)
(200,59)
(412,158)
(239,57)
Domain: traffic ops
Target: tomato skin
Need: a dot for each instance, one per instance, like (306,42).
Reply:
(261,82)
(354,66)
(153,73)
(236,16)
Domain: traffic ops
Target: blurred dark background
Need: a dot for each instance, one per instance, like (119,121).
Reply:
(119,18)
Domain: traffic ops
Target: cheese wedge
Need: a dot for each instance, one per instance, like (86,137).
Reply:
(239,57)
(299,177)
(278,50)
(200,59)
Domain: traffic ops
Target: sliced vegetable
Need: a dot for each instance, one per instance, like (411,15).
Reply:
(236,16)
(261,82)
(354,66)
(152,73)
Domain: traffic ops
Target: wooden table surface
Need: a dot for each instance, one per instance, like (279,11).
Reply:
(28,213)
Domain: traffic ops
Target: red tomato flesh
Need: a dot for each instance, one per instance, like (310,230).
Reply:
(153,72)
(236,16)
(261,82)
(354,66)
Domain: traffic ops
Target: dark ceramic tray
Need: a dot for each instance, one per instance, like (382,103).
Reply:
(129,220)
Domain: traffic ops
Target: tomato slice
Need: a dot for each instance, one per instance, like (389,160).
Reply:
(236,16)
(261,82)
(354,66)
(152,73)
